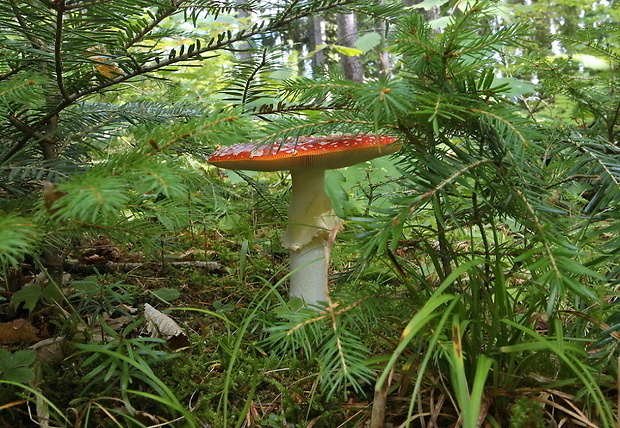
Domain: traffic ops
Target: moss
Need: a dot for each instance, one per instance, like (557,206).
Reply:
(526,413)
(202,377)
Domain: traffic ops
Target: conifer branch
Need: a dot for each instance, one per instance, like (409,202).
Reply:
(24,26)
(138,36)
(26,129)
(220,43)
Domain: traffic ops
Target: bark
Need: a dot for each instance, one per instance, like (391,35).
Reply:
(75,266)
(244,54)
(52,256)
(317,38)
(347,34)
(379,405)
(384,58)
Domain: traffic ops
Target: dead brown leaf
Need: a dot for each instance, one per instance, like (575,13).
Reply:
(18,330)
(160,324)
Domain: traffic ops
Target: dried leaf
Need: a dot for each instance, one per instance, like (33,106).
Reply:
(117,323)
(179,341)
(19,330)
(159,323)
(50,350)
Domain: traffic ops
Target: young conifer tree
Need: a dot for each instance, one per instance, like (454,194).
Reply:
(69,71)
(487,188)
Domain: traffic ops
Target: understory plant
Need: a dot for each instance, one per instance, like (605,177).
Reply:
(502,233)
(477,271)
(97,146)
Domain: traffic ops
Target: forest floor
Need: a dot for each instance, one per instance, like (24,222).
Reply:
(196,316)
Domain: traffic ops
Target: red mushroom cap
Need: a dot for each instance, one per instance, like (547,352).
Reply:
(328,152)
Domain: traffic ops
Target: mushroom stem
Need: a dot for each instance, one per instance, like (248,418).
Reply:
(309,272)
(311,218)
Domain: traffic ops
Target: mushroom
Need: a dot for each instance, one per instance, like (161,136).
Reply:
(310,213)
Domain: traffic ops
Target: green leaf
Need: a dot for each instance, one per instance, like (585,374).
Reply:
(368,41)
(15,366)
(24,357)
(167,294)
(229,221)
(347,51)
(428,4)
(19,374)
(334,180)
(29,296)
(282,74)
(318,49)
(515,87)
(5,359)
(441,22)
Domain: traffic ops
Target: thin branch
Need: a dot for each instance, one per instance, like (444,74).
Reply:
(12,72)
(58,49)
(28,132)
(290,7)
(83,5)
(14,150)
(139,35)
(284,109)
(574,177)
(608,170)
(252,183)
(27,129)
(541,233)
(248,82)
(24,25)
(612,123)
(413,206)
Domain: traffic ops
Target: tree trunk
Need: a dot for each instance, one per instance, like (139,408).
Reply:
(317,38)
(384,57)
(52,257)
(244,54)
(347,34)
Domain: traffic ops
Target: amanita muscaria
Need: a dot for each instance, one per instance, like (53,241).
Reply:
(310,213)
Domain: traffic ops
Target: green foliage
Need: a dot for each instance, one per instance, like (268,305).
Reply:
(122,362)
(501,211)
(328,336)
(27,297)
(17,239)
(16,366)
(94,296)
(65,99)
(486,187)
(526,414)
